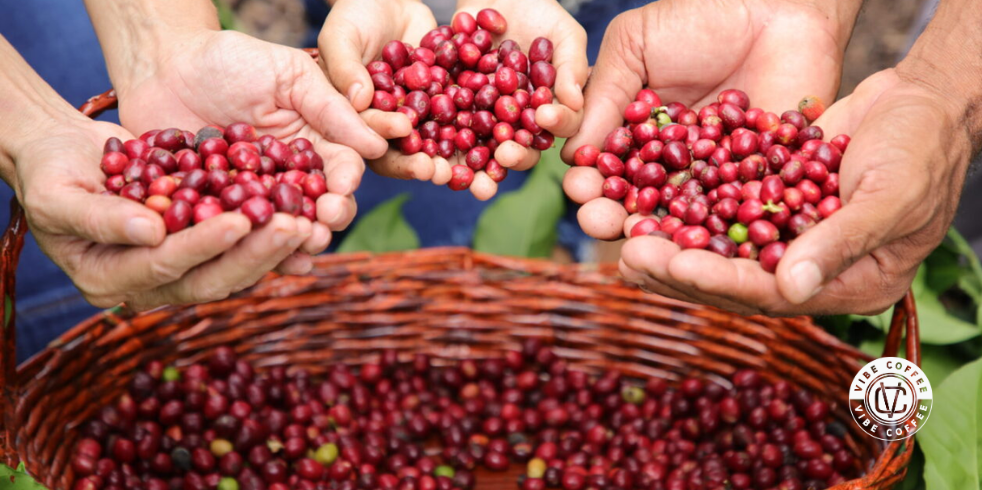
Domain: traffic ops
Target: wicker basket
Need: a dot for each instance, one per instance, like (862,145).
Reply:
(450,303)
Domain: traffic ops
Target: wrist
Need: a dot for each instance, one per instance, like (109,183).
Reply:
(29,109)
(944,61)
(139,38)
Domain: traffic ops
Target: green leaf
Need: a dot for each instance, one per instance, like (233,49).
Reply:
(951,438)
(938,326)
(523,222)
(970,283)
(18,479)
(873,347)
(915,472)
(383,229)
(938,362)
(226,16)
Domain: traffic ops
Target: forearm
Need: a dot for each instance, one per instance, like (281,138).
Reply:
(946,58)
(135,34)
(28,107)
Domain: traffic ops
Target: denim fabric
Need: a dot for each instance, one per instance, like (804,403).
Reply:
(56,38)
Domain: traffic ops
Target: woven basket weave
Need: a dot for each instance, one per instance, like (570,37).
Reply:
(450,303)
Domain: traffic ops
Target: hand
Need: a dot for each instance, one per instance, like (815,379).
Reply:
(115,249)
(354,35)
(775,50)
(219,77)
(528,20)
(901,178)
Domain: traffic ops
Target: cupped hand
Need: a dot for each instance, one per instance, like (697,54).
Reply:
(221,77)
(900,182)
(528,20)
(356,31)
(774,50)
(115,250)
(352,36)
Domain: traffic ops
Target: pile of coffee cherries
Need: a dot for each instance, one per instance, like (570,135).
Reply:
(464,95)
(189,178)
(408,423)
(736,180)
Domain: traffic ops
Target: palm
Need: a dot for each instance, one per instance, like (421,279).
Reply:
(226,77)
(871,248)
(775,52)
(687,56)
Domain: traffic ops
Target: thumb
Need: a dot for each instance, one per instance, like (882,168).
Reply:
(332,115)
(99,218)
(346,71)
(614,81)
(884,190)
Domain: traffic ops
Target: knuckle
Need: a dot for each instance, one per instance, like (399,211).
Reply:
(213,291)
(101,300)
(38,213)
(163,272)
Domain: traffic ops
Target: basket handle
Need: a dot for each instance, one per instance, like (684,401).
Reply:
(904,320)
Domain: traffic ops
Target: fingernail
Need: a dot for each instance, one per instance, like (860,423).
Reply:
(353,92)
(807,279)
(231,237)
(280,238)
(295,242)
(141,231)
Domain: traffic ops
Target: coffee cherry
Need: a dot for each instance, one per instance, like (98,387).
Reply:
(491,20)
(258,209)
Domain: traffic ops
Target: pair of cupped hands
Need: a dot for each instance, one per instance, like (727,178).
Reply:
(860,260)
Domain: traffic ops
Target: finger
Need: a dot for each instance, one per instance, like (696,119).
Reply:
(886,197)
(320,238)
(510,154)
(95,217)
(142,268)
(583,184)
(739,285)
(398,166)
(615,80)
(389,125)
(336,212)
(442,171)
(529,160)
(742,286)
(514,156)
(661,261)
(650,285)
(343,168)
(240,267)
(558,119)
(331,115)
(296,264)
(483,187)
(602,218)
(572,67)
(340,44)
